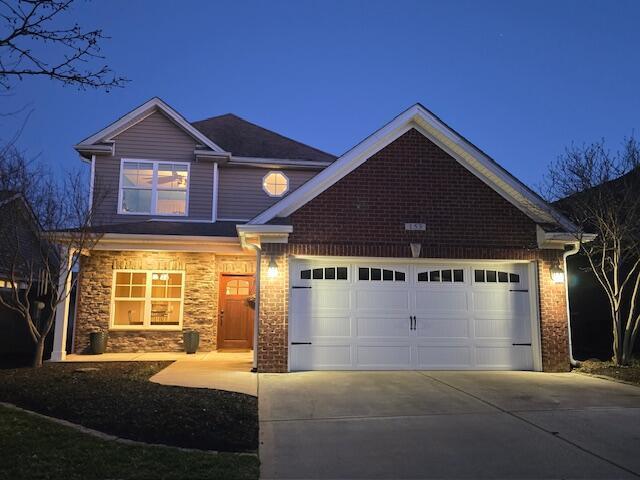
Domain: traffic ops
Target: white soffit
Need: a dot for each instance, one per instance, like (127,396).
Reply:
(139,114)
(435,130)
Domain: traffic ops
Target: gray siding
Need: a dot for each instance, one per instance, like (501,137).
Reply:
(240,193)
(154,138)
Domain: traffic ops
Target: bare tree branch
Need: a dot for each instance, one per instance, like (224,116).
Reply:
(34,44)
(600,191)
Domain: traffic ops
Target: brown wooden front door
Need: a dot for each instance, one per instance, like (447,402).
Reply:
(235,319)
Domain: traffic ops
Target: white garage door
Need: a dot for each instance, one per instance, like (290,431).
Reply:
(372,315)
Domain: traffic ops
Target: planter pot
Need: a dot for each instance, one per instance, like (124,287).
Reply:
(191,340)
(98,342)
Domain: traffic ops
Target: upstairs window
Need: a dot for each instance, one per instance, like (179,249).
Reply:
(153,188)
(275,184)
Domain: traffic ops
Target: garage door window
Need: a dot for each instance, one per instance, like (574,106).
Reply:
(444,275)
(495,276)
(380,274)
(326,273)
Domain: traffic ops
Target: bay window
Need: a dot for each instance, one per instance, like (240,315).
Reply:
(147,300)
(153,188)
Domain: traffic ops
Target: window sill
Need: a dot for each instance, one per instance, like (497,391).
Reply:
(176,328)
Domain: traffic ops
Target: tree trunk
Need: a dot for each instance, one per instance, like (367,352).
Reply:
(39,353)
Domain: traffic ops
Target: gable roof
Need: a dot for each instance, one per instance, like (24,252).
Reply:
(143,111)
(471,157)
(246,139)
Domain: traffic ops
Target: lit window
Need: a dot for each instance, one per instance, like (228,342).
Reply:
(154,188)
(275,184)
(237,287)
(147,300)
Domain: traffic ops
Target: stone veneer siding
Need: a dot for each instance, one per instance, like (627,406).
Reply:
(202,271)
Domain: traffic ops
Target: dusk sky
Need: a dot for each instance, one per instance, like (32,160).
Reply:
(521,80)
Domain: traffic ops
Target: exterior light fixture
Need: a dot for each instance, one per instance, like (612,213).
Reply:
(415,249)
(272,271)
(557,274)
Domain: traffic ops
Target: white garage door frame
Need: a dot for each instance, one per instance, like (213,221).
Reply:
(296,262)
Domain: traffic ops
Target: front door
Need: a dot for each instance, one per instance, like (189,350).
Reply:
(235,319)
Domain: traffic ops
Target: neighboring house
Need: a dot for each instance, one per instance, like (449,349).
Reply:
(413,250)
(591,323)
(18,226)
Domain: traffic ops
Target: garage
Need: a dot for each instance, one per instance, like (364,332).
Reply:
(378,314)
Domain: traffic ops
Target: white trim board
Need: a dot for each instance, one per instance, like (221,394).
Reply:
(419,118)
(139,114)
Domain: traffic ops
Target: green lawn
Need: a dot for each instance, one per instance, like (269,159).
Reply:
(117,398)
(35,448)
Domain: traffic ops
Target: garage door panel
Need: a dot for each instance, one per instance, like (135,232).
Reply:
(442,327)
(321,357)
(379,299)
(328,299)
(329,326)
(382,326)
(444,356)
(500,301)
(517,358)
(496,328)
(441,300)
(379,356)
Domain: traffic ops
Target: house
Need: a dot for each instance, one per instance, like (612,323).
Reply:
(591,323)
(20,228)
(413,250)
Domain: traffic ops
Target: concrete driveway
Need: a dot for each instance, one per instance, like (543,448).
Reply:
(447,425)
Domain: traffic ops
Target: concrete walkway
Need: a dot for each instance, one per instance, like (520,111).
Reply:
(218,370)
(229,371)
(447,425)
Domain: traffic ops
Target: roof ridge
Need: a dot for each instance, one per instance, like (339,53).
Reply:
(270,131)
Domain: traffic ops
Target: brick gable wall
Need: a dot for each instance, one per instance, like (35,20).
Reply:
(412,180)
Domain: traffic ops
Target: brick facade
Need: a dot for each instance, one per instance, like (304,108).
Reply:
(363,215)
(412,181)
(202,273)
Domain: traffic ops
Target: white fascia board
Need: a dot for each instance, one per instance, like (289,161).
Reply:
(137,237)
(558,240)
(142,112)
(257,229)
(427,124)
(251,161)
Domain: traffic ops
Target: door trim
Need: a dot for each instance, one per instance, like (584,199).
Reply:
(221,296)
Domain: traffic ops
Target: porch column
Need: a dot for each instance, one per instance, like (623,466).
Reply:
(59,352)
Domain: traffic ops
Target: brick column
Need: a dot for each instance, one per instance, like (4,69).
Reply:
(274,311)
(553,315)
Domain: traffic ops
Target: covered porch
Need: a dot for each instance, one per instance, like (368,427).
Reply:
(147,290)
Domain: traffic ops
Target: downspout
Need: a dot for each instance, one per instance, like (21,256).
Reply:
(256,320)
(572,251)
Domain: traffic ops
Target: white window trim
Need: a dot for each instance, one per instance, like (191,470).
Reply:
(264,184)
(154,187)
(147,303)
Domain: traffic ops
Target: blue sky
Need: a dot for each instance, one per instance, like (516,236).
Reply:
(521,80)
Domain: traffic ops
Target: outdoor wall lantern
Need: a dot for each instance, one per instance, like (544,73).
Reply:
(557,274)
(272,271)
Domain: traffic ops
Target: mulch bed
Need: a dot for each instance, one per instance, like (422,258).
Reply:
(118,399)
(629,374)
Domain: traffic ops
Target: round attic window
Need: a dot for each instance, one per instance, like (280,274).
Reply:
(275,184)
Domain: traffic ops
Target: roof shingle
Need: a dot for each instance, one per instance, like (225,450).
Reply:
(245,139)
